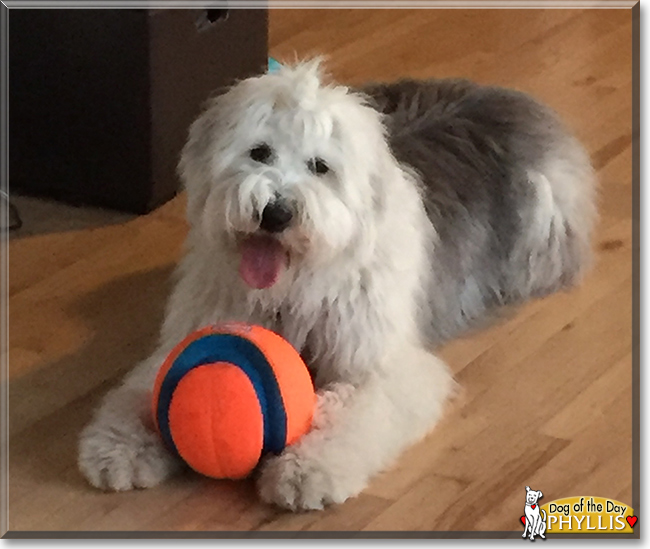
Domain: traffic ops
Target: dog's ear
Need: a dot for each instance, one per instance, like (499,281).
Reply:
(539,494)
(527,488)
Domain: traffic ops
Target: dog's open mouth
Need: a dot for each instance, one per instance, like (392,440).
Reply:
(262,260)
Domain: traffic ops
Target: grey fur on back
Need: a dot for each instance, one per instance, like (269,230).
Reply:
(479,153)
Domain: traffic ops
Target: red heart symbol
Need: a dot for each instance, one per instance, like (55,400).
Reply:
(523,520)
(533,506)
(631,520)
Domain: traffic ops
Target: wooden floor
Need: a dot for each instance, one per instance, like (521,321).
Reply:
(547,396)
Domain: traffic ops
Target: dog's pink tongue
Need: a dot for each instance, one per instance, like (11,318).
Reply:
(262,258)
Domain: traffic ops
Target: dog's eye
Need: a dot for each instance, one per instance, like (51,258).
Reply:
(318,166)
(261,153)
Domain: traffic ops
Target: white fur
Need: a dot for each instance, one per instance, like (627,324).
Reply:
(350,295)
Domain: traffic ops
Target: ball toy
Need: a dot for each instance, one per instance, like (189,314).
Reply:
(230,393)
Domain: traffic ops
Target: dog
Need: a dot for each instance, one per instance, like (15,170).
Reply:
(366,226)
(535,523)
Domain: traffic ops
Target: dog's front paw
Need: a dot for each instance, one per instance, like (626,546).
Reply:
(300,483)
(123,457)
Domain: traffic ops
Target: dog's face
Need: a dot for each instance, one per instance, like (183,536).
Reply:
(532,495)
(284,169)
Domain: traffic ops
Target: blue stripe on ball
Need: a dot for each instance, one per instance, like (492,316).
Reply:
(240,352)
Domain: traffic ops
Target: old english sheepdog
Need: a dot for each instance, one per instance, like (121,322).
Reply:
(367,226)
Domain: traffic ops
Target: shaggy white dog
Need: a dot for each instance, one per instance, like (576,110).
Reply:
(366,227)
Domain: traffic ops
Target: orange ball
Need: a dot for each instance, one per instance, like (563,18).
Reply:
(230,393)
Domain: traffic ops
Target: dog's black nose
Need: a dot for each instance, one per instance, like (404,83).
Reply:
(276,217)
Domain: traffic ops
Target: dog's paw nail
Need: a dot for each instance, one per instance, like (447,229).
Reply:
(119,463)
(299,484)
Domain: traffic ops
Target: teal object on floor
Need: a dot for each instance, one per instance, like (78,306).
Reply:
(273,65)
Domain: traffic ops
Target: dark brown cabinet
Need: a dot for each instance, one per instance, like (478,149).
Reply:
(100,101)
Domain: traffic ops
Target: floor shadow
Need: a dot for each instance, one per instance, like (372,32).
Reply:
(33,216)
(124,317)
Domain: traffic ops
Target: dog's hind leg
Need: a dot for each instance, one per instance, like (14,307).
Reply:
(555,249)
(366,429)
(542,524)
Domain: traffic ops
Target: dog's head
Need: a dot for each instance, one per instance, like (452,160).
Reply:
(284,168)
(532,495)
